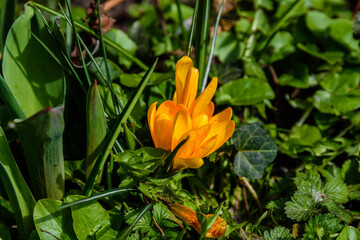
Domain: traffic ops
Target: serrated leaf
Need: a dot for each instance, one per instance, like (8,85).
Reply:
(339,210)
(256,150)
(278,233)
(336,189)
(301,207)
(144,224)
(322,226)
(162,215)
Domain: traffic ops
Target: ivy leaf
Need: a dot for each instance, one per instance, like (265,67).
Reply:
(256,150)
(278,233)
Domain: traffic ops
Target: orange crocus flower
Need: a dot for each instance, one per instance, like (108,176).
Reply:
(189,117)
(188,216)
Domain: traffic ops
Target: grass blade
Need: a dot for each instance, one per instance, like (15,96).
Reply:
(21,199)
(212,48)
(10,101)
(201,38)
(68,5)
(98,196)
(8,10)
(192,29)
(129,229)
(90,31)
(100,162)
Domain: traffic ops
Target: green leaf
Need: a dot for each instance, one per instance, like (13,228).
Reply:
(317,22)
(336,189)
(341,31)
(297,77)
(41,138)
(256,150)
(51,222)
(245,91)
(322,227)
(306,135)
(8,11)
(117,35)
(89,219)
(141,162)
(228,48)
(21,199)
(301,207)
(34,77)
(278,233)
(331,57)
(282,45)
(162,215)
(10,100)
(338,210)
(4,232)
(349,232)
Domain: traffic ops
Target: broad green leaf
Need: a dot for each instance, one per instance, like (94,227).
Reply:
(21,199)
(90,220)
(341,31)
(349,233)
(34,77)
(228,48)
(95,127)
(298,77)
(282,45)
(253,69)
(51,222)
(331,57)
(328,102)
(305,135)
(244,91)
(317,21)
(10,101)
(256,150)
(41,138)
(117,35)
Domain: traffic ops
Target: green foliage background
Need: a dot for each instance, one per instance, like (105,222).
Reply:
(290,70)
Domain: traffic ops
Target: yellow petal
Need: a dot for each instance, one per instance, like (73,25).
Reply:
(217,229)
(162,130)
(182,69)
(151,119)
(167,107)
(204,149)
(204,98)
(182,163)
(223,130)
(188,148)
(181,125)
(190,89)
(200,120)
(222,116)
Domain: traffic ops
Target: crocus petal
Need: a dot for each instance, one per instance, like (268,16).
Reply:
(222,116)
(204,149)
(162,130)
(151,119)
(190,88)
(187,149)
(223,130)
(204,98)
(167,107)
(182,69)
(182,163)
(181,125)
(200,120)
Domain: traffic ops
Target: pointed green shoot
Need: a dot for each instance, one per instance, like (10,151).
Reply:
(95,128)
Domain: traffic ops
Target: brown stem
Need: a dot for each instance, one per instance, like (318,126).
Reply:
(158,227)
(247,208)
(252,191)
(110,4)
